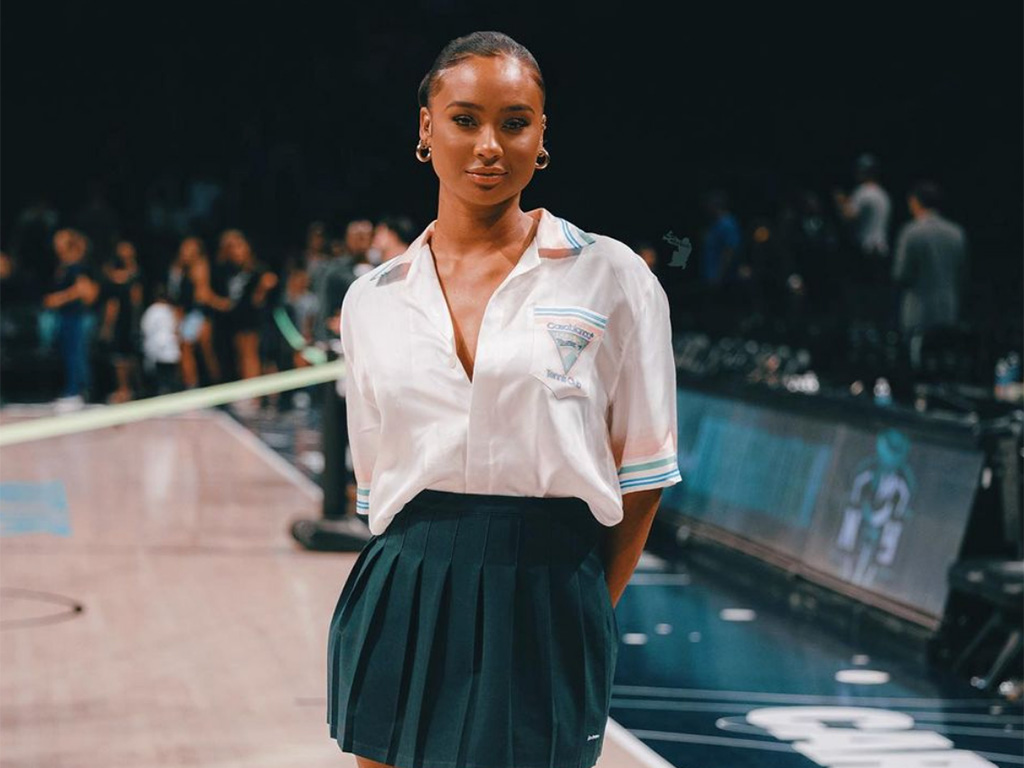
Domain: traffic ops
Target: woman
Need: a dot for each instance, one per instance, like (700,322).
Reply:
(190,291)
(509,378)
(122,312)
(248,291)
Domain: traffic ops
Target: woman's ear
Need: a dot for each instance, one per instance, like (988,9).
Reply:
(424,123)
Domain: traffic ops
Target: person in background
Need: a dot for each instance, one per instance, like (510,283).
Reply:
(317,253)
(813,245)
(358,236)
(189,290)
(719,258)
(74,292)
(161,348)
(248,291)
(300,302)
(391,237)
(338,274)
(217,306)
(930,267)
(868,208)
(298,305)
(121,305)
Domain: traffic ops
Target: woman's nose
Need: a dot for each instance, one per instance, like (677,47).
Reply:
(488,145)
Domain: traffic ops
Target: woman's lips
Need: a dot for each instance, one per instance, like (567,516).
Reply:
(486,179)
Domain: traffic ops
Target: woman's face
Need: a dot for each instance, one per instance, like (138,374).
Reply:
(487,115)
(239,251)
(126,253)
(189,251)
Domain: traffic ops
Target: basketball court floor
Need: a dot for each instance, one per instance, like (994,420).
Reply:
(155,611)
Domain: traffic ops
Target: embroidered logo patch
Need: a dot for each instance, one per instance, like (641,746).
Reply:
(570,340)
(571,329)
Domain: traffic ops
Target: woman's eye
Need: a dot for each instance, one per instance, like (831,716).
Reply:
(515,124)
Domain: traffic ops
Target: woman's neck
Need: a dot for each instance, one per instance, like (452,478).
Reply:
(468,232)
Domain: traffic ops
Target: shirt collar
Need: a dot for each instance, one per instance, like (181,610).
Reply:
(555,238)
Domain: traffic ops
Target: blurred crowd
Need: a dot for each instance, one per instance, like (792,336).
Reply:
(842,264)
(193,304)
(212,315)
(910,282)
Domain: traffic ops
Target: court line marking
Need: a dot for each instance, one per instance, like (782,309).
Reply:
(715,741)
(802,698)
(730,725)
(269,455)
(725,741)
(634,746)
(740,707)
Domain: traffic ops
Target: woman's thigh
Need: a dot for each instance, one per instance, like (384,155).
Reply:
(365,762)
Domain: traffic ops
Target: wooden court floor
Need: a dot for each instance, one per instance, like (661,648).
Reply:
(155,611)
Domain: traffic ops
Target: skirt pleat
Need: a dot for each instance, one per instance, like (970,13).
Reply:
(475,632)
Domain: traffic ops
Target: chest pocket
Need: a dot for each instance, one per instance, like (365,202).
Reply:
(565,344)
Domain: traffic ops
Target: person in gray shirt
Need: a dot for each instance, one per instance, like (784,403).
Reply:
(868,209)
(335,275)
(930,265)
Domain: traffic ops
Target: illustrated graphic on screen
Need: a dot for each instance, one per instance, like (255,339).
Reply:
(877,511)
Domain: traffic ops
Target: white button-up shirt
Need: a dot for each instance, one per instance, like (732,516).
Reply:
(573,390)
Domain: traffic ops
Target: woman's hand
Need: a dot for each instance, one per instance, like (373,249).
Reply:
(267,282)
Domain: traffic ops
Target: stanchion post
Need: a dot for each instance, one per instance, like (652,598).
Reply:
(336,530)
(335,440)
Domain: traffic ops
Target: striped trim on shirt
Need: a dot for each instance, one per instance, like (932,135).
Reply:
(581,313)
(649,473)
(362,499)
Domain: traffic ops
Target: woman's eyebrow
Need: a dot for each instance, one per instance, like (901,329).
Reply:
(511,108)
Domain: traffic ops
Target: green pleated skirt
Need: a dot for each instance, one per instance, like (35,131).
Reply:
(476,632)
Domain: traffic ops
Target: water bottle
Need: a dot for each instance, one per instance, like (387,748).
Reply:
(883,394)
(1002,379)
(1013,376)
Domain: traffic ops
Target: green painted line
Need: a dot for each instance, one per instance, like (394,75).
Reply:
(138,410)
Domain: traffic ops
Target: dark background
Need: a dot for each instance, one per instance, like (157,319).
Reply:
(306,111)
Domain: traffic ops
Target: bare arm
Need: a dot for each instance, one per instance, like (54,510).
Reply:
(112,307)
(209,298)
(84,289)
(200,276)
(845,207)
(136,295)
(624,542)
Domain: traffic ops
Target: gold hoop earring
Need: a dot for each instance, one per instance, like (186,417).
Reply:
(542,163)
(419,152)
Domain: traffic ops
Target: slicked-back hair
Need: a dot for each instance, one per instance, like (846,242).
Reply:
(485,44)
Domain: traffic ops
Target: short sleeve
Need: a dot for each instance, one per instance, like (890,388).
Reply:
(642,426)
(363,417)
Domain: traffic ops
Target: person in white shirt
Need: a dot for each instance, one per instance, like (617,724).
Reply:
(161,345)
(868,208)
(510,388)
